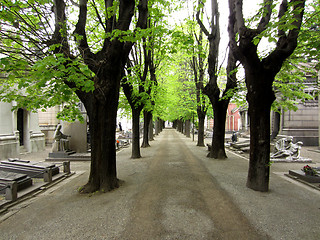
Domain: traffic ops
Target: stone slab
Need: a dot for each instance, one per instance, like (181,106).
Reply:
(32,169)
(22,180)
(240,145)
(10,176)
(71,157)
(301,175)
(26,163)
(285,160)
(61,154)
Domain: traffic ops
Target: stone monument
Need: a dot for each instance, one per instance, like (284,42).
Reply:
(61,142)
(287,151)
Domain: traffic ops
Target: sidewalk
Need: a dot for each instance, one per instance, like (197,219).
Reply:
(290,210)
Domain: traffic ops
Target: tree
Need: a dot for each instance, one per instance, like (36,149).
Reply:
(198,70)
(157,46)
(219,101)
(137,74)
(260,73)
(105,58)
(197,51)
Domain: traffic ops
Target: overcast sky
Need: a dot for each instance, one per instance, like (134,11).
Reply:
(250,7)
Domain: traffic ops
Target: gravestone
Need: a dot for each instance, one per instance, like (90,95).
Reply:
(301,175)
(32,169)
(23,180)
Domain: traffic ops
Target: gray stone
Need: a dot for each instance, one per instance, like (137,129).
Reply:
(301,175)
(33,170)
(22,180)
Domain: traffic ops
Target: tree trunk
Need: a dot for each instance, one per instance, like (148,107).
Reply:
(102,120)
(175,124)
(180,124)
(136,133)
(260,99)
(151,129)
(156,126)
(258,175)
(217,148)
(201,118)
(276,125)
(161,125)
(187,128)
(147,118)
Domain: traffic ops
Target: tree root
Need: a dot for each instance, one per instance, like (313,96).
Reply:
(106,187)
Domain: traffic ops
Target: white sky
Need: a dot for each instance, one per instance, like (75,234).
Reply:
(250,7)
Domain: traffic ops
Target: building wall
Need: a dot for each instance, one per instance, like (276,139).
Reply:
(9,138)
(233,119)
(302,124)
(12,141)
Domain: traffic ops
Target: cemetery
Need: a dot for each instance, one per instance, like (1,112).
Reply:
(116,88)
(20,177)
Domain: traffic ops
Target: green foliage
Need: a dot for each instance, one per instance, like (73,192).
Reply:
(275,25)
(42,85)
(290,81)
(32,72)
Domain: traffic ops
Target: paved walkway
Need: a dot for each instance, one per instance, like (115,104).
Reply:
(173,192)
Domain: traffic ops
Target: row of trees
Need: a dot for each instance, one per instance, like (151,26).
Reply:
(49,56)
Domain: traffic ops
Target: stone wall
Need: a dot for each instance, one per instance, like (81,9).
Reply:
(302,124)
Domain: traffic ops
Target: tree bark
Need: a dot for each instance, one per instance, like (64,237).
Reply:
(201,118)
(151,129)
(259,110)
(147,118)
(156,125)
(187,128)
(102,120)
(217,148)
(135,152)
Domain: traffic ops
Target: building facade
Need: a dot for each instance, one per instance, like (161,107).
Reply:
(303,124)
(19,131)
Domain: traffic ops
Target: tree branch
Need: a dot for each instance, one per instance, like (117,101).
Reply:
(81,38)
(267,10)
(287,43)
(126,12)
(203,28)
(98,15)
(237,4)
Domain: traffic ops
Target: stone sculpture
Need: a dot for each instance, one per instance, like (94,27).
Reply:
(61,142)
(285,148)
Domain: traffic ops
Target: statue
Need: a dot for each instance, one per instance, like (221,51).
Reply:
(234,137)
(61,142)
(285,148)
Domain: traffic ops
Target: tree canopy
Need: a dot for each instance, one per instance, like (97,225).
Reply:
(55,52)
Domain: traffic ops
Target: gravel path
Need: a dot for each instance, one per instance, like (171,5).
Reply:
(172,192)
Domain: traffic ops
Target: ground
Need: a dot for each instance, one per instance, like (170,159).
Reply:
(172,192)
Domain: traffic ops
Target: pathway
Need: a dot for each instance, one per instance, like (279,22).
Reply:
(167,194)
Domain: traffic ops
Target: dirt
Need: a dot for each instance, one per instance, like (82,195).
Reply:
(166,194)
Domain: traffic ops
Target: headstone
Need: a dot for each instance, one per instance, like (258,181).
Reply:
(23,181)
(32,169)
(301,175)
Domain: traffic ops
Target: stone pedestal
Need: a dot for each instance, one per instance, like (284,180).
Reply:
(78,133)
